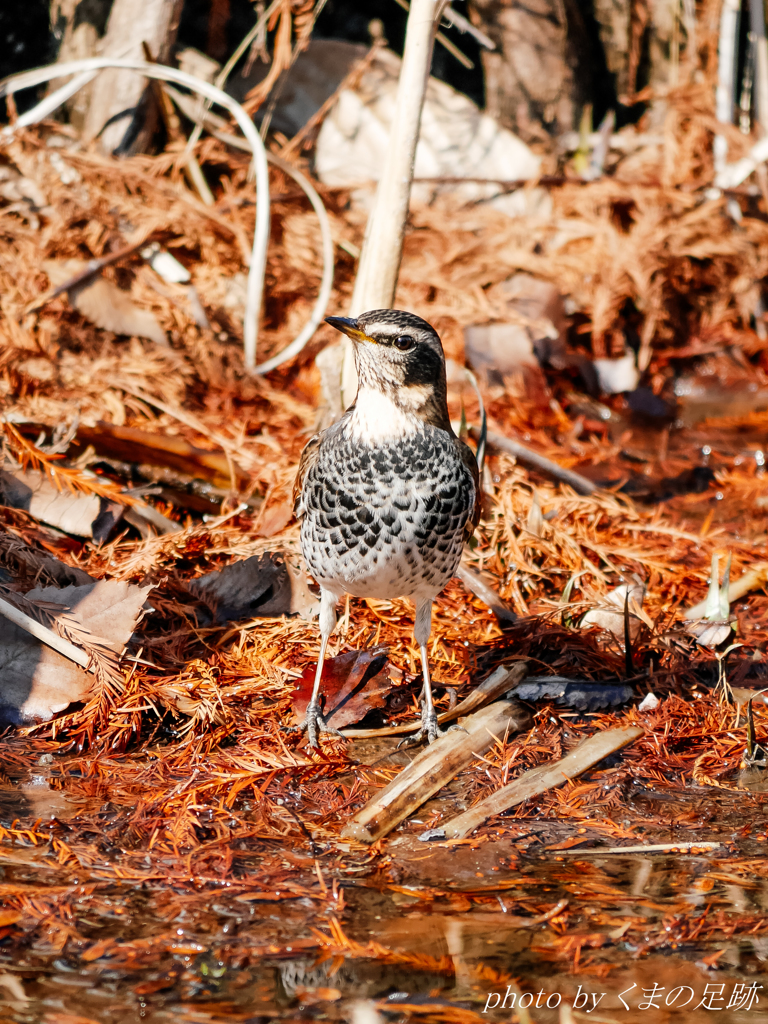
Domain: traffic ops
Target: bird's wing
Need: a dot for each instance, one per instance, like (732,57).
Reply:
(308,459)
(469,460)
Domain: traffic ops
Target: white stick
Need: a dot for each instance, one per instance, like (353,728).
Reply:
(757,23)
(41,632)
(726,75)
(383,244)
(649,848)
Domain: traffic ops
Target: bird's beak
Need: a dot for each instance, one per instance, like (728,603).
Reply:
(348,325)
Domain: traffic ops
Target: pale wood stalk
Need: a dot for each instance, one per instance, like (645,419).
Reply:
(539,780)
(383,243)
(434,768)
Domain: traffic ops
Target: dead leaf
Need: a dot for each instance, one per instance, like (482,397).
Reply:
(353,684)
(568,844)
(609,613)
(36,682)
(37,494)
(708,633)
(103,303)
(261,586)
(274,518)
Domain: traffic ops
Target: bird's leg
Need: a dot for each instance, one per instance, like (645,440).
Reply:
(422,627)
(313,719)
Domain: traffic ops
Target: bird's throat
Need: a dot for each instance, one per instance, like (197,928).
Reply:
(379,417)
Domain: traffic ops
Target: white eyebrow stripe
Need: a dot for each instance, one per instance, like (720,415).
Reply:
(391,330)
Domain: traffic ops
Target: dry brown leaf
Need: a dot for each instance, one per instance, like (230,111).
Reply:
(36,493)
(354,683)
(609,614)
(103,303)
(35,681)
(263,585)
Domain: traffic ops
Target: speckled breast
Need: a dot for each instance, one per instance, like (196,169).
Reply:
(386,520)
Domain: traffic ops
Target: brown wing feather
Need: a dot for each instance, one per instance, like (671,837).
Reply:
(469,460)
(308,459)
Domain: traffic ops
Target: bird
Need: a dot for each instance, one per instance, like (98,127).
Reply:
(388,495)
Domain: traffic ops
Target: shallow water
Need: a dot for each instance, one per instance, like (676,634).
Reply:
(459,929)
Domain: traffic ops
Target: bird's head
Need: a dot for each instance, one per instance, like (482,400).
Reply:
(399,355)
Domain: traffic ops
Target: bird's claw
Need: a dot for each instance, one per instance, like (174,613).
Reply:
(430,728)
(314,723)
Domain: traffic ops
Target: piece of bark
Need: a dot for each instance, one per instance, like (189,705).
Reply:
(433,768)
(579,695)
(587,754)
(35,681)
(536,78)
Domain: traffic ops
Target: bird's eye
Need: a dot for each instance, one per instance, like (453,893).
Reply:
(404,342)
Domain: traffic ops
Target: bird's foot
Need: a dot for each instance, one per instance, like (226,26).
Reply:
(430,730)
(314,723)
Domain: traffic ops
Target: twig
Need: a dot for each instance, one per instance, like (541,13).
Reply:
(474,582)
(348,82)
(462,24)
(43,633)
(539,780)
(382,251)
(92,268)
(650,848)
(757,25)
(444,41)
(579,483)
(727,53)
